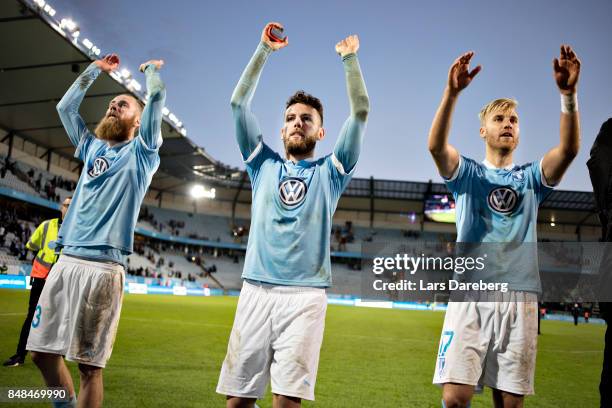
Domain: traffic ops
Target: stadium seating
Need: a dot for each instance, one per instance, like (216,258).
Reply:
(201,225)
(19,180)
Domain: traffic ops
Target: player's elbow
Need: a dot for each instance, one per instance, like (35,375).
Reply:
(362,109)
(62,106)
(157,93)
(237,103)
(435,149)
(571,150)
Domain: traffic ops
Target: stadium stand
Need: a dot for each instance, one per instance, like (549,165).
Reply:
(23,177)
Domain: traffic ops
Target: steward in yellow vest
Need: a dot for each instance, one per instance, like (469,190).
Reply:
(45,234)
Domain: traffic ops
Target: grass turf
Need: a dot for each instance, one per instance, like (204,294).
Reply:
(169,350)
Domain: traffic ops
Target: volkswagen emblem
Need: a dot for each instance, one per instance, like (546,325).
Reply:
(292,191)
(100,165)
(503,199)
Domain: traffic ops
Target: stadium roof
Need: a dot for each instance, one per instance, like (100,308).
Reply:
(42,54)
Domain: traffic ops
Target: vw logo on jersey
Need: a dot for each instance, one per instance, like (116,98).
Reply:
(503,199)
(100,165)
(292,191)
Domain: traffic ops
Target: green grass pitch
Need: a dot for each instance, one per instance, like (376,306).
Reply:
(169,350)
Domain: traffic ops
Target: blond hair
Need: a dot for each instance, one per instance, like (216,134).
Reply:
(502,104)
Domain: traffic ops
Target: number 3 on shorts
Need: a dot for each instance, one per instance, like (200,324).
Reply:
(36,320)
(445,341)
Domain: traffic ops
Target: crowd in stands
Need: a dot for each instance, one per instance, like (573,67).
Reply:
(342,236)
(175,227)
(163,270)
(46,186)
(14,233)
(6,165)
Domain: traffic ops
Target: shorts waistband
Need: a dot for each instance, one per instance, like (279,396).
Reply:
(271,288)
(108,266)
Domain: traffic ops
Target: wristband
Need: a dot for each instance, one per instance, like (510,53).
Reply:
(569,103)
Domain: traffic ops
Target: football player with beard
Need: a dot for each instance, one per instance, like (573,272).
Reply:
(491,338)
(278,327)
(78,311)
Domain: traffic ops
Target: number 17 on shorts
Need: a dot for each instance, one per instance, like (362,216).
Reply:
(445,341)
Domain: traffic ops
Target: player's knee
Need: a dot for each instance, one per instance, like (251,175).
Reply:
(88,372)
(287,401)
(456,401)
(239,402)
(37,358)
(43,360)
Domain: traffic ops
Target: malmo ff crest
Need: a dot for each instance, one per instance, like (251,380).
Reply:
(292,191)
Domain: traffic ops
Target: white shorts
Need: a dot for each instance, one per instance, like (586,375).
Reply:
(490,343)
(78,311)
(277,335)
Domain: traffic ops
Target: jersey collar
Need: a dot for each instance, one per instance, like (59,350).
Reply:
(490,166)
(119,145)
(302,163)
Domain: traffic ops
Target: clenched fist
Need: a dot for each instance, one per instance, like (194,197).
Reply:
(349,45)
(158,64)
(265,37)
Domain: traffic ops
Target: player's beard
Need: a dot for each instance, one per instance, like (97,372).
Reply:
(113,129)
(496,143)
(301,146)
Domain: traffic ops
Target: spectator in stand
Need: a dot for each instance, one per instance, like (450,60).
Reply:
(38,182)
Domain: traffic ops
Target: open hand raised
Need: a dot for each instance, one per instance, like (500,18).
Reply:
(566,70)
(459,75)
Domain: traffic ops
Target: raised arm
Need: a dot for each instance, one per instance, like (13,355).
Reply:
(248,133)
(68,107)
(446,156)
(151,118)
(348,145)
(557,160)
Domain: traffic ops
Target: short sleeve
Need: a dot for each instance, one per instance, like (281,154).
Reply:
(260,155)
(458,181)
(541,188)
(339,178)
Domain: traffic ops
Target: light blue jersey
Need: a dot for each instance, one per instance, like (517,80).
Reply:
(291,218)
(293,203)
(101,219)
(501,206)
